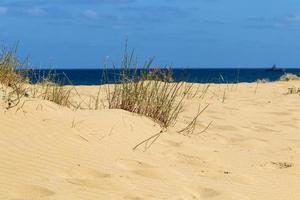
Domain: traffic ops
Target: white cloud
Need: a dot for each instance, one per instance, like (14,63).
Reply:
(91,14)
(287,21)
(292,18)
(3,10)
(36,11)
(291,21)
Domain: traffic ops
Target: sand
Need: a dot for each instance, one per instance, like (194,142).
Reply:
(250,151)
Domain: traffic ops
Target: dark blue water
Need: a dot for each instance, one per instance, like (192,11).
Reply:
(95,76)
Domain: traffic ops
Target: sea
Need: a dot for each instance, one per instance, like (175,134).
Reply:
(200,75)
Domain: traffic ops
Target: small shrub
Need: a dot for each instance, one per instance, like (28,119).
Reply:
(148,92)
(15,83)
(11,78)
(49,87)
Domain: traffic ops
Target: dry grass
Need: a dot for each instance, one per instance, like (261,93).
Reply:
(15,84)
(57,94)
(155,99)
(293,90)
(190,128)
(9,76)
(148,92)
(200,92)
(50,88)
(12,81)
(289,77)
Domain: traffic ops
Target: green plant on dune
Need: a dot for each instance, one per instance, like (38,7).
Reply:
(56,93)
(50,87)
(147,91)
(8,65)
(15,83)
(11,79)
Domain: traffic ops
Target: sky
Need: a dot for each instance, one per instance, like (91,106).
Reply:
(181,33)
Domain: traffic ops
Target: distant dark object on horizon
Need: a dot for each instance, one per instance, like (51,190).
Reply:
(275,69)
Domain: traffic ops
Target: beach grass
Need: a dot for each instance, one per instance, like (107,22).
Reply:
(147,91)
(12,81)
(50,87)
(15,83)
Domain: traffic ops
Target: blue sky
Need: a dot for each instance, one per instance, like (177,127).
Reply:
(185,33)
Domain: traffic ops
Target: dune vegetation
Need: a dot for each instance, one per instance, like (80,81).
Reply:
(143,90)
(145,136)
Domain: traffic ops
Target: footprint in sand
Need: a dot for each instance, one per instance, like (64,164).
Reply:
(191,160)
(216,117)
(140,197)
(98,184)
(263,129)
(200,193)
(205,169)
(29,192)
(140,168)
(231,108)
(208,192)
(91,179)
(131,197)
(87,173)
(279,113)
(225,128)
(173,143)
(130,164)
(201,167)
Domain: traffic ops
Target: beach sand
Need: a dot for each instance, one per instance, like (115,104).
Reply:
(251,150)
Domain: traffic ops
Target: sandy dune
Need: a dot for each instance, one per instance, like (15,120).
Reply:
(250,151)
